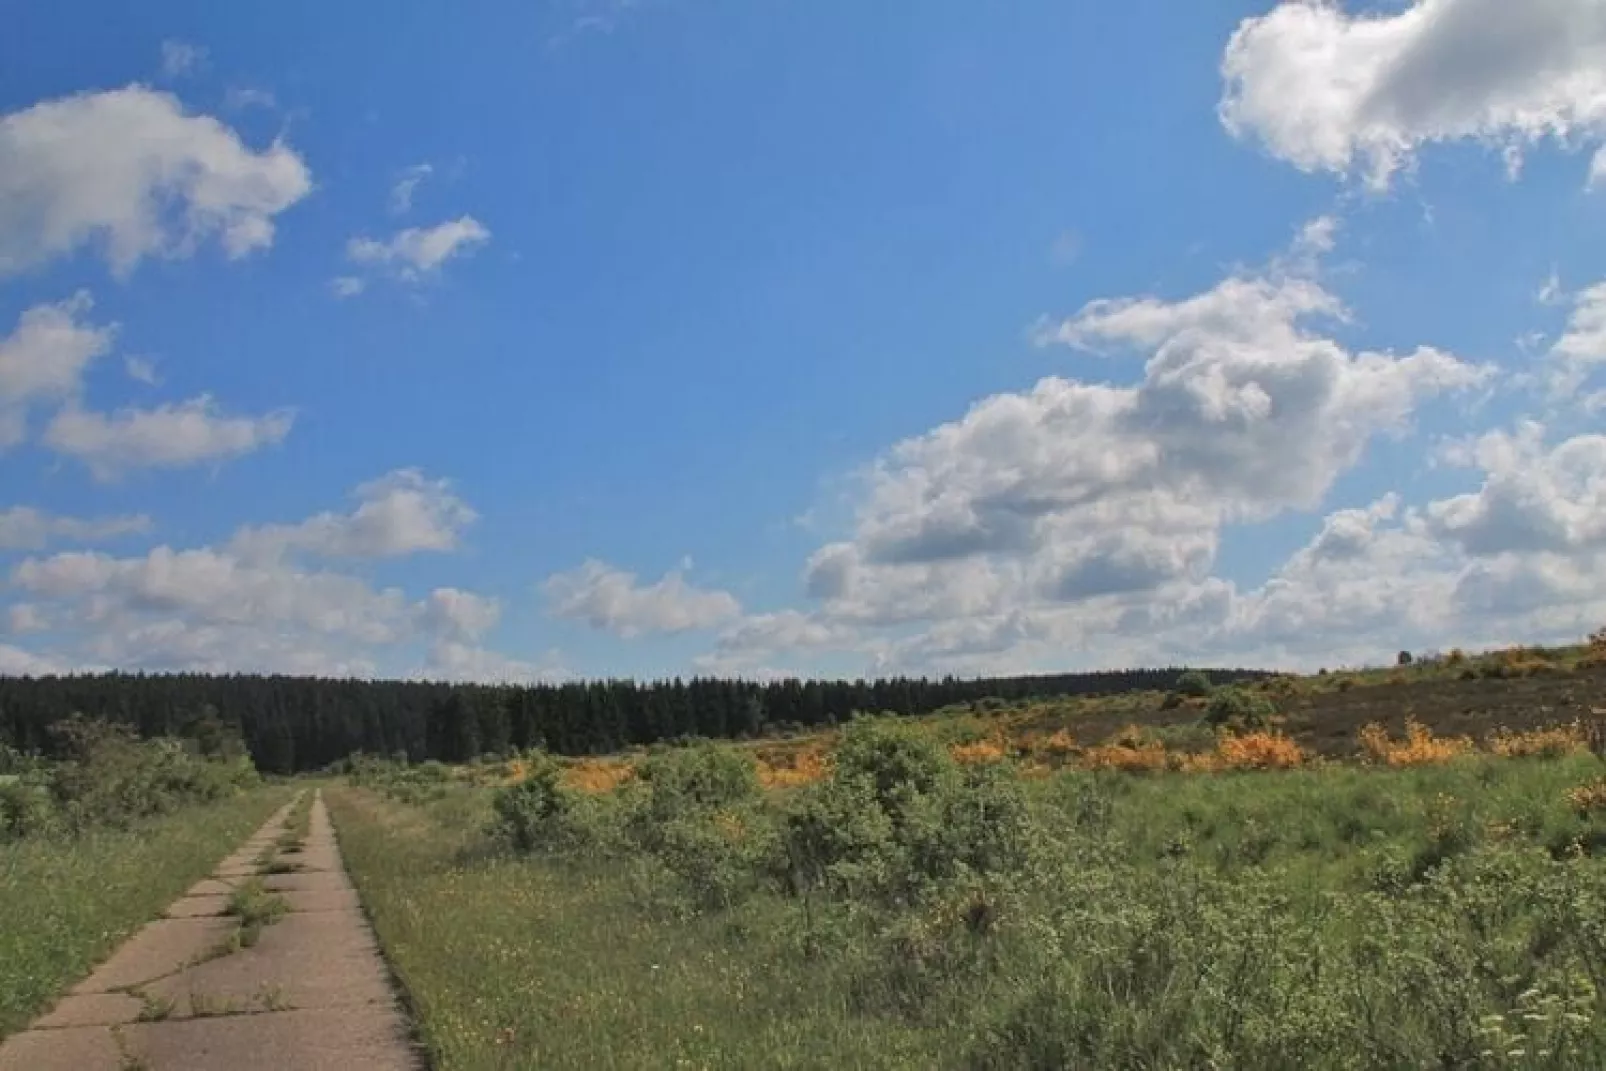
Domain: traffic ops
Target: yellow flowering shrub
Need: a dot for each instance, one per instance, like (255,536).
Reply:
(1552,742)
(1419,748)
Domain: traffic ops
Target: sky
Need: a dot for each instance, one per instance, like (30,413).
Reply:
(606,338)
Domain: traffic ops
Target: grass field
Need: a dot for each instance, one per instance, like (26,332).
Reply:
(66,902)
(1445,914)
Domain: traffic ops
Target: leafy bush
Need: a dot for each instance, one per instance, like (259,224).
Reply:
(1234,708)
(108,776)
(532,815)
(111,777)
(414,785)
(698,778)
(1194,684)
(899,822)
(25,810)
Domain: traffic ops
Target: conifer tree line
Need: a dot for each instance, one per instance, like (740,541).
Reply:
(292,724)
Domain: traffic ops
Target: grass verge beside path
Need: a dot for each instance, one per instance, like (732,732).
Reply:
(66,903)
(512,964)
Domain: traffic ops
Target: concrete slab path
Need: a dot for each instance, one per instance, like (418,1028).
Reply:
(183,995)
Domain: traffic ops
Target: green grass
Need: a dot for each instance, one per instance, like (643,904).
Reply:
(256,908)
(1226,920)
(512,964)
(66,903)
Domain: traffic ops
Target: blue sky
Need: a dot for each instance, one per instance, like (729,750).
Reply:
(683,336)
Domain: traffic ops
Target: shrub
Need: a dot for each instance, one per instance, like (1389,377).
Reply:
(990,749)
(532,814)
(111,777)
(1132,750)
(1588,799)
(1194,684)
(698,778)
(1259,751)
(1419,748)
(1234,708)
(25,810)
(899,822)
(1551,743)
(789,767)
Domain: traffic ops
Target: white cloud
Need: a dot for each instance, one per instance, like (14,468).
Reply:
(1522,559)
(1327,90)
(417,252)
(26,528)
(180,58)
(787,630)
(403,512)
(15,662)
(1074,491)
(238,98)
(129,169)
(401,194)
(1078,523)
(206,609)
(141,370)
(248,607)
(1550,291)
(175,435)
(1581,349)
(461,615)
(612,599)
(345,286)
(23,618)
(215,586)
(44,360)
(1533,499)
(452,661)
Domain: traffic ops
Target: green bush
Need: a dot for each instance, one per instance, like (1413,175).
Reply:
(698,778)
(532,815)
(25,810)
(1194,684)
(109,777)
(112,778)
(699,815)
(899,822)
(1234,708)
(396,778)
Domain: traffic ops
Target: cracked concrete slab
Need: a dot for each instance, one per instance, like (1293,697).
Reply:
(192,907)
(210,887)
(321,899)
(341,1039)
(162,947)
(307,882)
(91,1009)
(81,1048)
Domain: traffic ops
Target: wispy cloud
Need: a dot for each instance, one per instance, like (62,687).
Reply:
(180,58)
(401,194)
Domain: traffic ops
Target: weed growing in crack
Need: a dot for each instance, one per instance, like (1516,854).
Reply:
(153,1008)
(256,908)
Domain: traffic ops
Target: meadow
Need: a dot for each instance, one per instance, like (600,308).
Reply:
(1211,883)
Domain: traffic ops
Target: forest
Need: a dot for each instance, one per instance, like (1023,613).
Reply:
(294,724)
